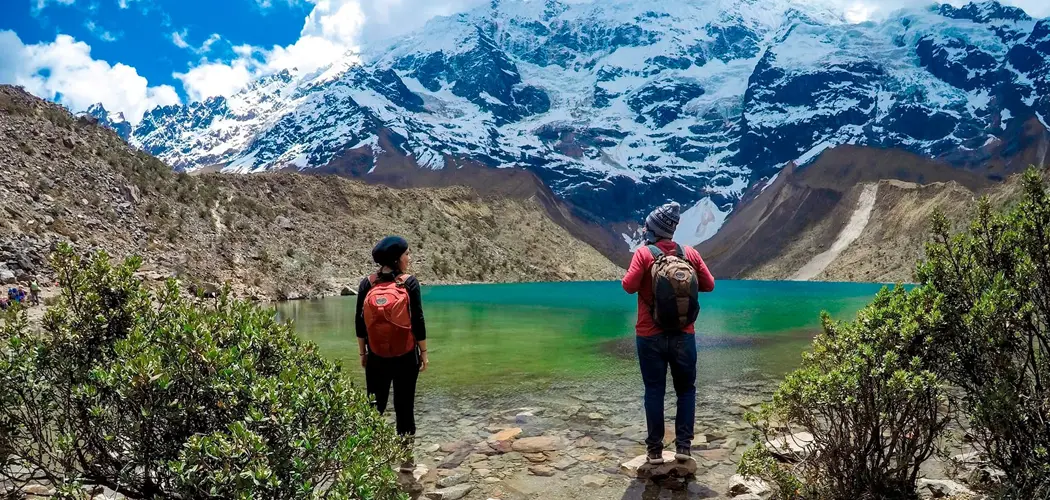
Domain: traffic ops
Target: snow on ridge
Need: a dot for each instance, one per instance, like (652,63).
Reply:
(700,222)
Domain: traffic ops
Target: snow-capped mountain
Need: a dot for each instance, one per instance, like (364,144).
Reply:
(620,105)
(113,120)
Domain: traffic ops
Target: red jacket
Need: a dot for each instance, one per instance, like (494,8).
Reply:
(639,280)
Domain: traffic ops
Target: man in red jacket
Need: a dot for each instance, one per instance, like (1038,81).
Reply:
(658,349)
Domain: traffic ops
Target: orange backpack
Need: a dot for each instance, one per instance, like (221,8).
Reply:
(388,318)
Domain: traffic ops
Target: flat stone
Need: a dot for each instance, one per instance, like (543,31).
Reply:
(731,444)
(942,488)
(586,442)
(535,458)
(564,463)
(431,448)
(455,459)
(594,480)
(454,446)
(450,481)
(716,455)
(739,485)
(506,434)
(491,480)
(453,493)
(542,470)
(640,468)
(596,416)
(537,444)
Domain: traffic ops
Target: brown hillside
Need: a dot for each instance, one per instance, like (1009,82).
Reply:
(269,234)
(774,233)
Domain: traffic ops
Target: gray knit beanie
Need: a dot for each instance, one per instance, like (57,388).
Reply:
(662,222)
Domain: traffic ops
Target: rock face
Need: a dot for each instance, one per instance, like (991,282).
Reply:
(618,107)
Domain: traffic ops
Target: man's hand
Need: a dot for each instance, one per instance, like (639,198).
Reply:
(364,361)
(424,364)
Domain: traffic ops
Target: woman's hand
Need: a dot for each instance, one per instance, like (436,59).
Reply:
(364,361)
(425,363)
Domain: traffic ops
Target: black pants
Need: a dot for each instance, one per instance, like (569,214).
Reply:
(402,371)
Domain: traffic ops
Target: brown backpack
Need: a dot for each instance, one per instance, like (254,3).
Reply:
(675,303)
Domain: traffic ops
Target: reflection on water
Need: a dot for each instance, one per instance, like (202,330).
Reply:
(490,337)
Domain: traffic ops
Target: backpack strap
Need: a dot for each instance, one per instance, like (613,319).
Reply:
(655,251)
(372,278)
(401,279)
(679,251)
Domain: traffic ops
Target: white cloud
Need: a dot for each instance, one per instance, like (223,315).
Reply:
(101,33)
(206,46)
(39,5)
(64,71)
(179,39)
(212,79)
(330,32)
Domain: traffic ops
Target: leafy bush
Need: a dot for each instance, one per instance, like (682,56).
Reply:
(158,395)
(869,400)
(992,286)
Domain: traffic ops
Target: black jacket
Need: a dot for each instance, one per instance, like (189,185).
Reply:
(415,304)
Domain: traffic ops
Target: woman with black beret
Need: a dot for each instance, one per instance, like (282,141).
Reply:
(391,333)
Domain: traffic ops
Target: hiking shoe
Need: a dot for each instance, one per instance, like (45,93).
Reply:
(655,457)
(683,455)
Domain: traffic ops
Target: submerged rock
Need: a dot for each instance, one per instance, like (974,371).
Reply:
(537,444)
(453,493)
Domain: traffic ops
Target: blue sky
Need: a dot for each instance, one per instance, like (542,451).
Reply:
(132,55)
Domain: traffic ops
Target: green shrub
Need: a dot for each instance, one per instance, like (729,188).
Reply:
(156,395)
(866,395)
(993,331)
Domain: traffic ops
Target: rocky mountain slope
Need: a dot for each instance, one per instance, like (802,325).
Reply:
(620,105)
(271,235)
(855,214)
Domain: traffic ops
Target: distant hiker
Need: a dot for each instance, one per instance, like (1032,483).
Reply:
(391,334)
(667,278)
(34,293)
(3,303)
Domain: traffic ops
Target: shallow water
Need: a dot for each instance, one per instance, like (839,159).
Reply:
(489,339)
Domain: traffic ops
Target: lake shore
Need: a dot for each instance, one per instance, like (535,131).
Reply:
(574,441)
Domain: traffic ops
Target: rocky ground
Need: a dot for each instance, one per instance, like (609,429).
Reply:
(280,235)
(585,442)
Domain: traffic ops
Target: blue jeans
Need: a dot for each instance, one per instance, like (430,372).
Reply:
(655,354)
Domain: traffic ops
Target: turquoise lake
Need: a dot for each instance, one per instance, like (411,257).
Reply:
(493,338)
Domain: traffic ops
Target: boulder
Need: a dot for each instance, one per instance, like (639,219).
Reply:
(207,290)
(347,291)
(131,193)
(542,470)
(640,468)
(7,277)
(594,480)
(942,488)
(537,444)
(564,463)
(791,447)
(739,485)
(284,223)
(453,493)
(505,434)
(453,480)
